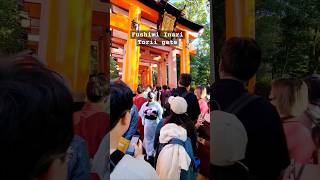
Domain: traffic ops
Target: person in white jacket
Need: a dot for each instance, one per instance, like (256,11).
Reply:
(173,158)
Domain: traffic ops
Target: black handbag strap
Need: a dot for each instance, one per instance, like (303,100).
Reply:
(115,158)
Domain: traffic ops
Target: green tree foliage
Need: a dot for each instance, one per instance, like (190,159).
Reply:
(114,73)
(198,11)
(12,36)
(288,32)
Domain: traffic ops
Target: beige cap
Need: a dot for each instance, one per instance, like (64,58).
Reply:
(178,104)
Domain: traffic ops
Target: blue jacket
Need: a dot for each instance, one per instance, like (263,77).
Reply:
(78,160)
(133,123)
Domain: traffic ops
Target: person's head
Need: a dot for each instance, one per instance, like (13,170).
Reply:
(158,88)
(185,80)
(97,88)
(35,121)
(121,101)
(151,96)
(289,96)
(240,58)
(198,92)
(164,87)
(178,115)
(313,83)
(140,89)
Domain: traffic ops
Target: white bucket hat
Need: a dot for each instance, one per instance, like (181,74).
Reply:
(178,104)
(228,139)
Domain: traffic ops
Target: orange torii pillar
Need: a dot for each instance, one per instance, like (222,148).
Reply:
(65,39)
(132,57)
(149,81)
(163,70)
(185,55)
(159,78)
(143,77)
(240,22)
(172,64)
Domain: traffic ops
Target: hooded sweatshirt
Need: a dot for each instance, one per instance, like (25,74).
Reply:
(173,157)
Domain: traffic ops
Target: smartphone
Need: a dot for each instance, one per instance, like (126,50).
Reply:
(134,140)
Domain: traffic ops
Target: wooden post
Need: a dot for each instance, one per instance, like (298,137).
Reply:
(163,70)
(159,79)
(172,63)
(240,22)
(185,56)
(65,41)
(149,76)
(132,58)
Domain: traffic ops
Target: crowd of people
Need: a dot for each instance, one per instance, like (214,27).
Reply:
(221,132)
(169,123)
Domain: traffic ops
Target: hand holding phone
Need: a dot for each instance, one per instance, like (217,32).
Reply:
(138,149)
(133,142)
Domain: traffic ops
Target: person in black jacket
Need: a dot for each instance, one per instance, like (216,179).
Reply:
(183,91)
(266,153)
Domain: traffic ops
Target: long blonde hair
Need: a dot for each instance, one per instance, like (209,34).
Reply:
(290,96)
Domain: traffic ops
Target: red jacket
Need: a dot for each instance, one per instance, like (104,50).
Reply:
(92,124)
(139,100)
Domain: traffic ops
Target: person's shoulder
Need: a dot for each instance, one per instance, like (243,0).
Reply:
(263,105)
(297,128)
(135,168)
(191,95)
(261,111)
(144,104)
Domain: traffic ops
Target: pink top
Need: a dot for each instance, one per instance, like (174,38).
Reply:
(299,141)
(203,105)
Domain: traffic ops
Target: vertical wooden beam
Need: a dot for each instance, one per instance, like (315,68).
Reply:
(159,79)
(144,77)
(132,58)
(185,56)
(240,22)
(102,54)
(149,81)
(163,70)
(172,63)
(65,41)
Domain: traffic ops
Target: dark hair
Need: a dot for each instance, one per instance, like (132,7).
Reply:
(185,79)
(140,89)
(165,87)
(313,83)
(158,93)
(35,119)
(192,89)
(121,100)
(97,88)
(241,57)
(184,121)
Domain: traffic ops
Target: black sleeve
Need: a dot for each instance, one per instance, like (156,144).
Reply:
(267,147)
(193,109)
